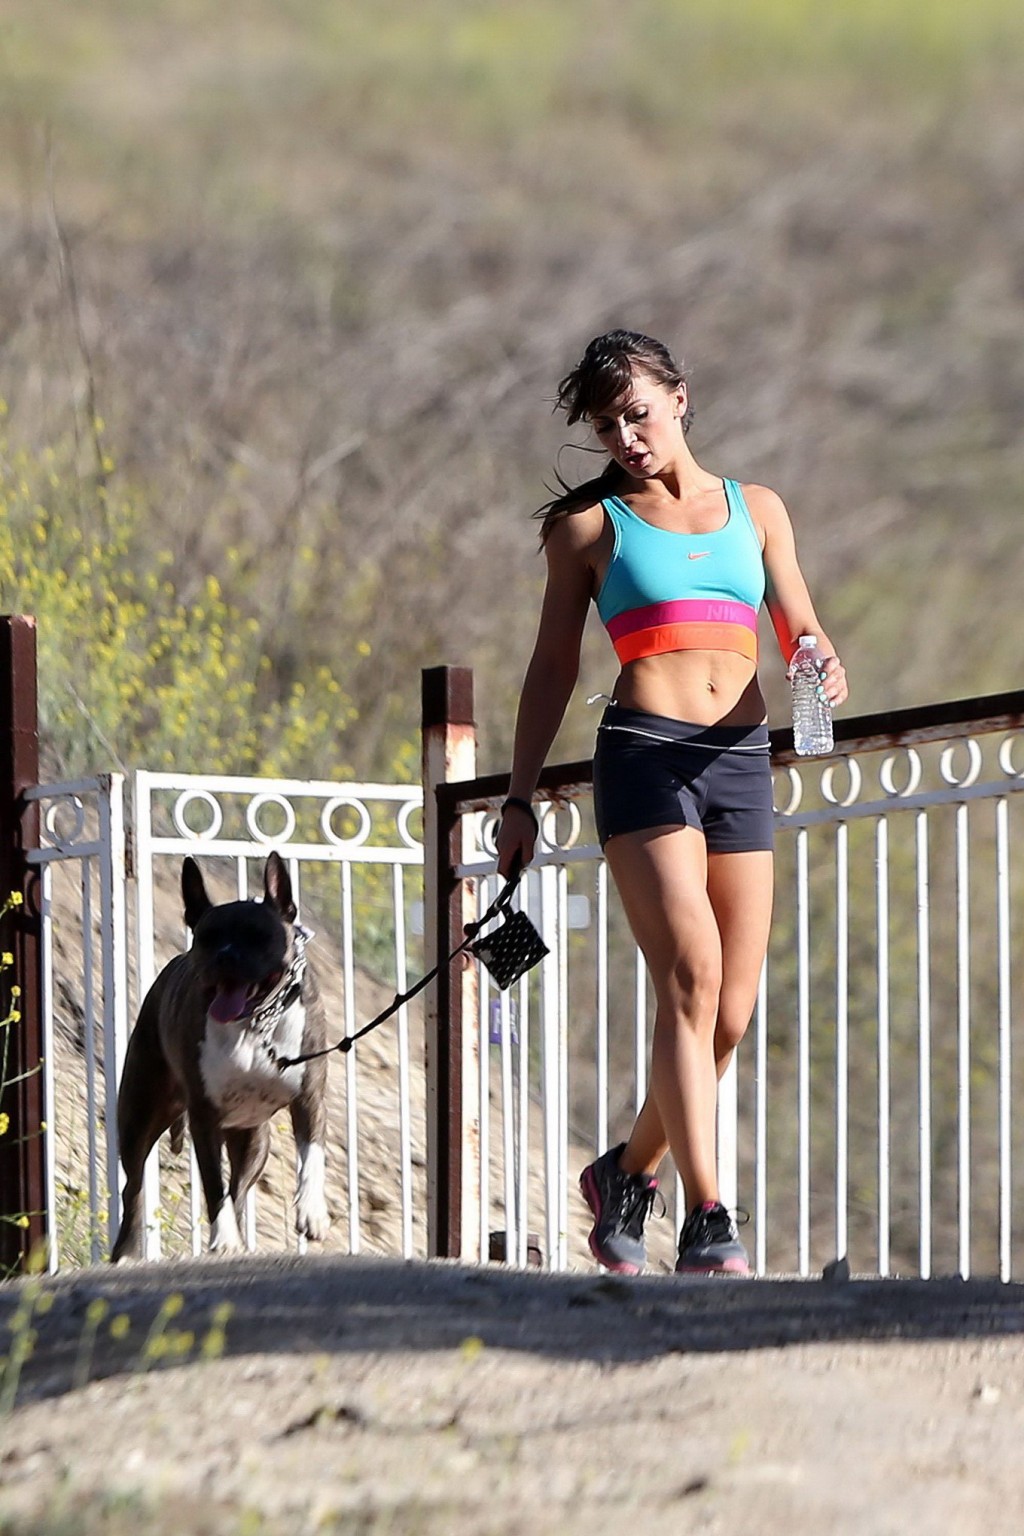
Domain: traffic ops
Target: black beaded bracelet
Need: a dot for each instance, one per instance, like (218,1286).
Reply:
(522,805)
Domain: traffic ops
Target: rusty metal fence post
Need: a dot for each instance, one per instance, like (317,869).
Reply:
(23,1216)
(452,1022)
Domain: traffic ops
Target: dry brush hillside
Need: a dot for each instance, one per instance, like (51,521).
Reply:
(319,280)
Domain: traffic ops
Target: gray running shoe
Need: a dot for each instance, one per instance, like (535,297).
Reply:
(709,1243)
(621,1203)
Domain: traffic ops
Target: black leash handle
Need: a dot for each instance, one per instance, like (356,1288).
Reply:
(497,906)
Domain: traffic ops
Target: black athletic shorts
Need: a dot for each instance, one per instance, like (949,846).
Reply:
(650,771)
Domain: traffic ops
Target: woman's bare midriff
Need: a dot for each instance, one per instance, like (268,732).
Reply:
(705,687)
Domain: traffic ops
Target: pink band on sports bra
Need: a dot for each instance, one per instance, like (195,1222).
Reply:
(687,610)
(688,624)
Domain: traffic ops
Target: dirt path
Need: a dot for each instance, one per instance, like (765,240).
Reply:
(372,1396)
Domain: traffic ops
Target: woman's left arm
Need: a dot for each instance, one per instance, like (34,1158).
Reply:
(789,602)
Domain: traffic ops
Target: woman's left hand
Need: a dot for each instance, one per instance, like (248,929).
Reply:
(833,681)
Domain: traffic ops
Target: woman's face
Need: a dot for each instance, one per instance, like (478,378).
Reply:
(643,429)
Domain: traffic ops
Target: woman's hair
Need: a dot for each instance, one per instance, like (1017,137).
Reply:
(601,377)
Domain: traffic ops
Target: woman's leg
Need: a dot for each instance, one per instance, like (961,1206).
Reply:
(740,888)
(662,878)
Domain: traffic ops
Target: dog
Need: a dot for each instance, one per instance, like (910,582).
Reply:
(206,1046)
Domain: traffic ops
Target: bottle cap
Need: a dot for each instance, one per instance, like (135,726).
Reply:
(808,640)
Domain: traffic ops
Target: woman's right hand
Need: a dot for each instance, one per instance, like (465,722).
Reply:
(517,835)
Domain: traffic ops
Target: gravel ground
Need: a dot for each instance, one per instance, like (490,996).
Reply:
(374,1396)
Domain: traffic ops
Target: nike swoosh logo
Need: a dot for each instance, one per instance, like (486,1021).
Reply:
(701,556)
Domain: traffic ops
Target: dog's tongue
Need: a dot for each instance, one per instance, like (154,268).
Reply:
(229,1004)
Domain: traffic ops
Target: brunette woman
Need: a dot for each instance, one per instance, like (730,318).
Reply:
(677,561)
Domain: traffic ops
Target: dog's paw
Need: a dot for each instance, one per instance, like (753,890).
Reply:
(311,1218)
(224,1234)
(127,1260)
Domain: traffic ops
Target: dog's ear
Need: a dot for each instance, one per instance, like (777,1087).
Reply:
(277,887)
(193,892)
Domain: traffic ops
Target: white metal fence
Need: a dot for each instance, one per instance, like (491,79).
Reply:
(870,1110)
(355,860)
(84,998)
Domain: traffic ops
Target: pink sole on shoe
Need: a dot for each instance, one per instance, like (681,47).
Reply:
(732,1267)
(615,1269)
(589,1190)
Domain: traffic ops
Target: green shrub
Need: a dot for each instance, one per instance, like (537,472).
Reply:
(130,671)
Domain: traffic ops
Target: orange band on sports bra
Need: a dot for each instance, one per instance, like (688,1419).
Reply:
(686,637)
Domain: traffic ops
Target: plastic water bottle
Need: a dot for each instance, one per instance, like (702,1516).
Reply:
(812,717)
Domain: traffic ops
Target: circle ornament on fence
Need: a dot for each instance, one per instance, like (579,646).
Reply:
(487,823)
(183,805)
(947,764)
(796,790)
(406,811)
(906,757)
(1006,756)
(354,807)
(64,821)
(853,782)
(548,819)
(254,810)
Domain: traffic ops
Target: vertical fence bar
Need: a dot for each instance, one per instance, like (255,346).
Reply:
(351,1084)
(803,1056)
(726,1123)
(562,888)
(550,994)
(248,1223)
(195,1198)
(963,1036)
(113,882)
(404,1083)
(1005,1037)
(291,1234)
(145,969)
(508,1129)
(884,1074)
(601,944)
(89,1038)
(195,1202)
(924,1050)
(842,1039)
(761,1126)
(523,1114)
(484,1079)
(639,1030)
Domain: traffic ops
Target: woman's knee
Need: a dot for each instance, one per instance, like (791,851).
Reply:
(733,1020)
(693,990)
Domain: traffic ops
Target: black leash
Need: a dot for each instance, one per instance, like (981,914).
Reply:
(498,906)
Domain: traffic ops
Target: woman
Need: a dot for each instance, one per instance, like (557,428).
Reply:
(677,561)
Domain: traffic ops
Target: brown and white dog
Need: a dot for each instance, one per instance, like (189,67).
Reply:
(209,1036)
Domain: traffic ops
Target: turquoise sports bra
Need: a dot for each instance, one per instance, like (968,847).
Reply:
(667,591)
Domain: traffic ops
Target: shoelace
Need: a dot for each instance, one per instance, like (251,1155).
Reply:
(637,1203)
(715,1226)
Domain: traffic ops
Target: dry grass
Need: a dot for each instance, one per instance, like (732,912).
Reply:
(329,268)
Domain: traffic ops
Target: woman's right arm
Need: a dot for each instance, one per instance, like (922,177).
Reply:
(551,674)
